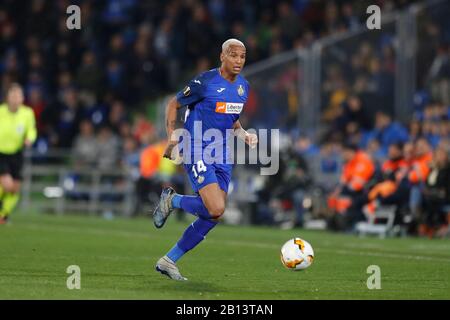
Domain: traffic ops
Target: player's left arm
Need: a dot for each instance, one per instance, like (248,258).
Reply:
(250,138)
(31,132)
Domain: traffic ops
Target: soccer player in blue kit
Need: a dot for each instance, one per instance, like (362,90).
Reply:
(215,99)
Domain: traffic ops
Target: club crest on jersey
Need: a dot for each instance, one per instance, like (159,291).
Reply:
(186,91)
(240,90)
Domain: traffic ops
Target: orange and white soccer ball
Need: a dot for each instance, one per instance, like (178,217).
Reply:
(297,254)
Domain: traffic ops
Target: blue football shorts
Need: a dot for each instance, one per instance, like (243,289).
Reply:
(201,174)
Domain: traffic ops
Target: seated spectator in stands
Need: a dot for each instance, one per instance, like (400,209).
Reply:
(418,170)
(66,117)
(89,74)
(348,198)
(436,197)
(394,163)
(430,131)
(329,158)
(116,116)
(306,147)
(375,151)
(386,191)
(36,101)
(131,156)
(142,128)
(264,209)
(107,149)
(411,175)
(438,74)
(352,111)
(415,130)
(387,131)
(85,146)
(294,183)
(352,133)
(421,163)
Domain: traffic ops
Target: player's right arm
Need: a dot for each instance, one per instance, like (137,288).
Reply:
(171,119)
(31,131)
(189,96)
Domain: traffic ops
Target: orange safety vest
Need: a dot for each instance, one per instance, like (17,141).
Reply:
(150,159)
(420,168)
(358,171)
(386,188)
(393,165)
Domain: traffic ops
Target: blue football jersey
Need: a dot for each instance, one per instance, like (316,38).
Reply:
(215,103)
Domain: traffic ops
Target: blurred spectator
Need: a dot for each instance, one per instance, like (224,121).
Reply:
(117,116)
(131,156)
(89,76)
(375,151)
(66,116)
(438,75)
(36,101)
(85,146)
(348,198)
(389,188)
(296,181)
(164,37)
(130,52)
(387,131)
(352,111)
(329,158)
(421,163)
(306,147)
(107,149)
(142,128)
(436,204)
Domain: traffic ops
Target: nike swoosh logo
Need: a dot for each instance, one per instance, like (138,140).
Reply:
(197,81)
(220,90)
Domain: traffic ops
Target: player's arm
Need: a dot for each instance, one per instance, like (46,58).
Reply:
(190,95)
(31,132)
(171,119)
(250,138)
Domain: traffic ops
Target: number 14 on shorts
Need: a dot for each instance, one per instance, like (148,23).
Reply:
(200,168)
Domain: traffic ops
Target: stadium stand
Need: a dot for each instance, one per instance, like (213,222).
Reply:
(95,92)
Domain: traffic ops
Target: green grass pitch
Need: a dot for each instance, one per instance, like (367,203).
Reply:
(117,259)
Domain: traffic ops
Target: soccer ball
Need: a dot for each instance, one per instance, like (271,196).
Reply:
(297,254)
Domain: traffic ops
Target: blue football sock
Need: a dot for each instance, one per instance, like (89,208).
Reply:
(176,200)
(191,204)
(191,237)
(175,253)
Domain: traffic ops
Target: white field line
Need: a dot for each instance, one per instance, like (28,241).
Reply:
(342,252)
(329,248)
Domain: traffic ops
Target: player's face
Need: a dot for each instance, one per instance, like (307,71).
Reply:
(15,98)
(234,59)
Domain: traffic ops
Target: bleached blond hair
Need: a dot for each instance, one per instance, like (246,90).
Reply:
(231,42)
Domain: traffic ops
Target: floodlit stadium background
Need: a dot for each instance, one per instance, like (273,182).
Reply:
(316,72)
